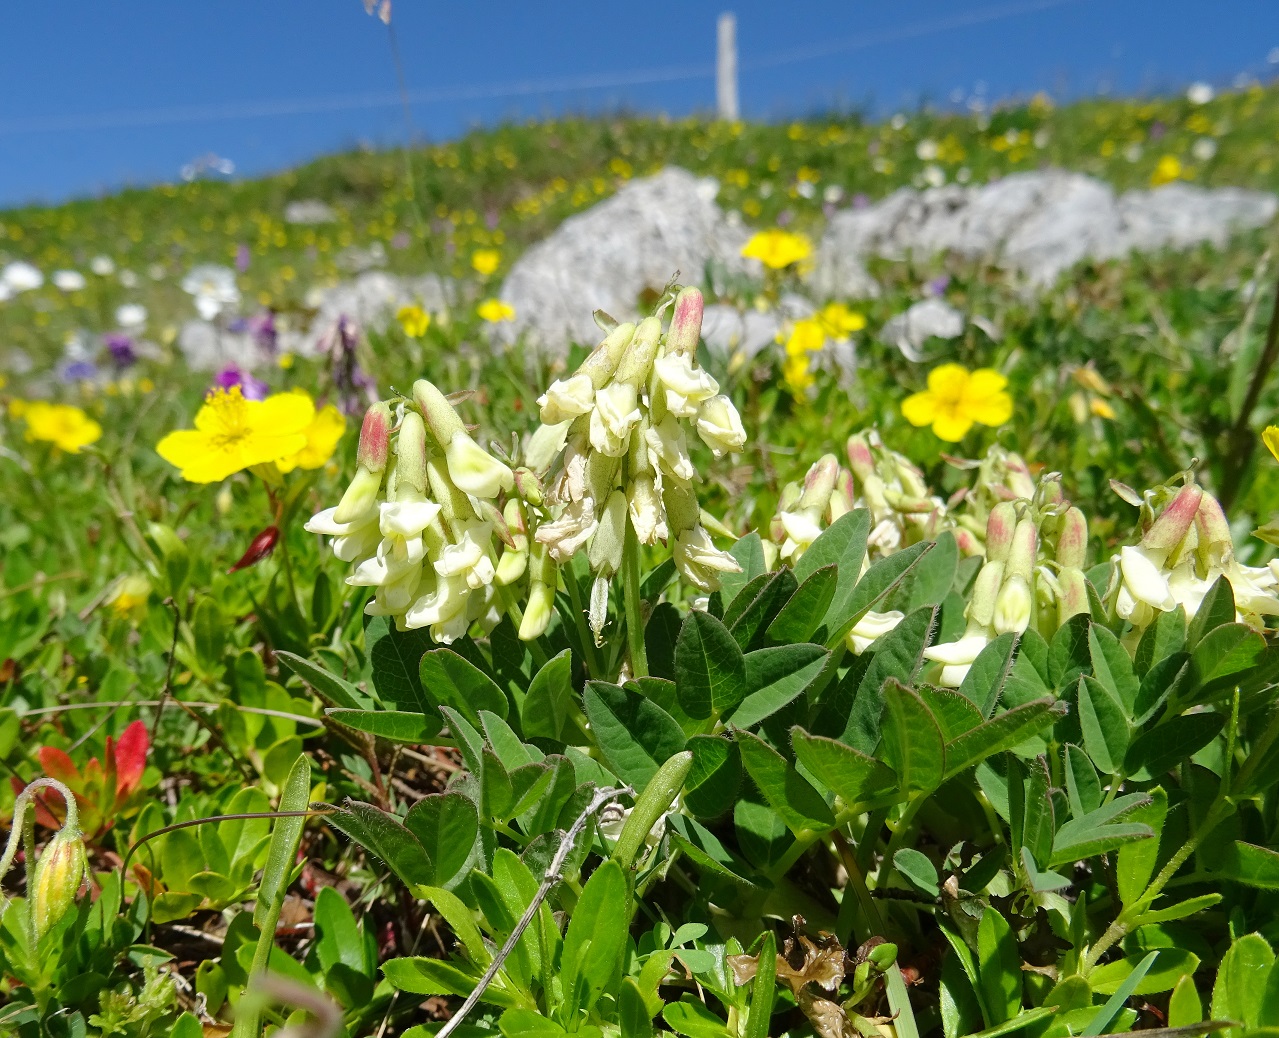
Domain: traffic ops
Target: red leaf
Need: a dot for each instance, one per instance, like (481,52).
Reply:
(261,546)
(131,758)
(58,765)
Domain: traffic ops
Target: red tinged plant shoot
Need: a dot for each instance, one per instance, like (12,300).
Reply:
(261,546)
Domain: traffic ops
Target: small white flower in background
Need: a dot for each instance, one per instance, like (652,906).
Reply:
(934,176)
(103,266)
(68,280)
(20,276)
(213,288)
(926,150)
(131,316)
(1200,93)
(128,279)
(1204,149)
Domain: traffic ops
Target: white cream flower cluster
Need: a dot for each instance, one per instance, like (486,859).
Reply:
(418,522)
(1183,552)
(903,510)
(614,446)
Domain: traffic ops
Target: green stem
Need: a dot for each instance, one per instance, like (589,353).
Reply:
(895,841)
(634,603)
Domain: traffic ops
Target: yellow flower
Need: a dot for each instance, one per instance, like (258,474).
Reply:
(63,425)
(145,385)
(232,434)
(1168,170)
(485,261)
(956,398)
(17,407)
(1271,439)
(285,361)
(797,375)
(414,320)
(130,597)
(322,437)
(839,321)
(495,311)
(1101,408)
(776,248)
(806,336)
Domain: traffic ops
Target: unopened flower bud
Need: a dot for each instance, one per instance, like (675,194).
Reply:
(440,415)
(1170,529)
(1072,597)
(1215,540)
(981,604)
(841,498)
(360,497)
(1000,525)
(603,361)
(375,438)
(637,361)
(1024,550)
(541,594)
(528,486)
(473,469)
(259,548)
(819,484)
(1013,606)
(410,456)
(1072,539)
(58,875)
(605,551)
(1017,477)
(967,542)
(686,322)
(860,459)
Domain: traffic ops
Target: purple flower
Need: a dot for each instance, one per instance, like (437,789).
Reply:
(122,349)
(242,257)
(355,388)
(860,201)
(79,371)
(262,327)
(401,240)
(1156,130)
(937,286)
(251,388)
(784,218)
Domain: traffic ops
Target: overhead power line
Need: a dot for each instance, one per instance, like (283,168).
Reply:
(511,88)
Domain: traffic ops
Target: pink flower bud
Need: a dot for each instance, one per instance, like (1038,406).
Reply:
(1072,541)
(860,460)
(1170,529)
(1000,525)
(259,548)
(1214,529)
(686,324)
(1073,598)
(819,483)
(375,438)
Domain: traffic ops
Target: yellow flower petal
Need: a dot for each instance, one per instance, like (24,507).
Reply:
(951,424)
(948,381)
(920,408)
(1271,439)
(985,381)
(992,410)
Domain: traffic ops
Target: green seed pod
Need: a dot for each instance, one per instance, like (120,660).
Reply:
(654,802)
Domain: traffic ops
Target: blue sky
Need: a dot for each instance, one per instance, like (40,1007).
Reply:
(97,94)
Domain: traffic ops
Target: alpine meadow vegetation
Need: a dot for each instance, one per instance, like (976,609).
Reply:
(388,681)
